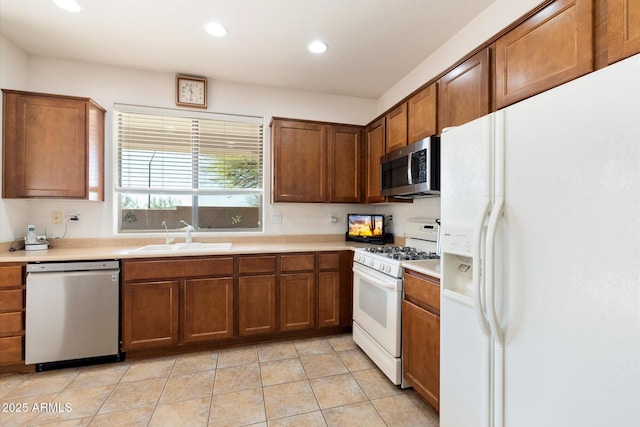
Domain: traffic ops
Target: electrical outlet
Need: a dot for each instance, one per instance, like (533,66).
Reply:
(276,217)
(56,217)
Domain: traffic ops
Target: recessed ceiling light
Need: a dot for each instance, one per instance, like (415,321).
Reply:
(318,47)
(215,29)
(68,5)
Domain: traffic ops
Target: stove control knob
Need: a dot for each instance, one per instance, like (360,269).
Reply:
(371,263)
(388,269)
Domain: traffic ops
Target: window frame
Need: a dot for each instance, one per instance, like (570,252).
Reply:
(195,191)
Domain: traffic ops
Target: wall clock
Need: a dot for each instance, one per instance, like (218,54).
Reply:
(191,91)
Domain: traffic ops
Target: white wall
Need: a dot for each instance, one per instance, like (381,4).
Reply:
(14,64)
(109,85)
(497,16)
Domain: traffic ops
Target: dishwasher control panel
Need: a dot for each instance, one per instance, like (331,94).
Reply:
(46,267)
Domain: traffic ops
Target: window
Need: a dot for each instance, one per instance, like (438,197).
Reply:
(201,168)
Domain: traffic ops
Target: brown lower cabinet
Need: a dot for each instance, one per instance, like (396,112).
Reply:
(12,309)
(167,302)
(178,301)
(421,335)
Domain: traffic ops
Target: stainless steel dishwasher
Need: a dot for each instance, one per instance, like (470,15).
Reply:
(72,313)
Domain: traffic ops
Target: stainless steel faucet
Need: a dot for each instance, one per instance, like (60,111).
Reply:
(190,228)
(167,239)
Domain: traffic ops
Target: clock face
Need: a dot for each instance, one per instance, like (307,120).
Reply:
(192,92)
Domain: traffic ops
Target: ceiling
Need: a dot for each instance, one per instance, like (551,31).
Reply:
(372,43)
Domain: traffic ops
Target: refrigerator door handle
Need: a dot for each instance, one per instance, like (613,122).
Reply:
(477,276)
(492,229)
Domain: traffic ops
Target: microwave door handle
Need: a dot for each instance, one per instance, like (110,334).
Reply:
(409,171)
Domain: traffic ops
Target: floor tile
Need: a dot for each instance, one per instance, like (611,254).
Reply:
(356,360)
(342,342)
(311,419)
(322,365)
(132,418)
(22,410)
(311,346)
(325,381)
(44,382)
(375,384)
(78,403)
(188,386)
(337,390)
(237,409)
(283,400)
(95,376)
(276,351)
(134,394)
(403,410)
(237,356)
(187,413)
(10,381)
(237,378)
(153,368)
(195,362)
(282,371)
(357,415)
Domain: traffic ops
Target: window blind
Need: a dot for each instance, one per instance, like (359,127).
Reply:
(183,152)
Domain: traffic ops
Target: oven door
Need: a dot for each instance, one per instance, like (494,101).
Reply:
(376,306)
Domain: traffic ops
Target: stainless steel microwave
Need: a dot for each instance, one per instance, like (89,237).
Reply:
(412,171)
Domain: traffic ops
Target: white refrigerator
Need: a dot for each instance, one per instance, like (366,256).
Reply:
(540,305)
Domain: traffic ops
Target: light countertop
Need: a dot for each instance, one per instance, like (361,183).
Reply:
(430,267)
(118,252)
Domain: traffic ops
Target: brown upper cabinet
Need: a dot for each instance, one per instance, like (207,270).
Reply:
(345,149)
(315,162)
(623,28)
(553,46)
(299,161)
(464,92)
(396,128)
(421,114)
(374,149)
(53,146)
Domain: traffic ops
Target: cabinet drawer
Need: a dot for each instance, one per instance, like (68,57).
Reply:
(299,262)
(11,300)
(11,276)
(11,323)
(329,261)
(11,350)
(172,268)
(257,264)
(422,289)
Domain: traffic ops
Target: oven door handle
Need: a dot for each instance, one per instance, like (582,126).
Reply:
(374,280)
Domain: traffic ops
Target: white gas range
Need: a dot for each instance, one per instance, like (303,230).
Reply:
(377,293)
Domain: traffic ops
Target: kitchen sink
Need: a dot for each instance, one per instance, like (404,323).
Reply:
(184,247)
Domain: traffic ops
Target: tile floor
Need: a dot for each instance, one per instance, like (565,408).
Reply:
(311,382)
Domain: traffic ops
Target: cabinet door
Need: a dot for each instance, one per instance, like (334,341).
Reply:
(552,47)
(421,351)
(150,315)
(257,305)
(464,92)
(297,301)
(344,164)
(208,309)
(38,130)
(623,28)
(328,298)
(421,112)
(375,148)
(396,136)
(299,162)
